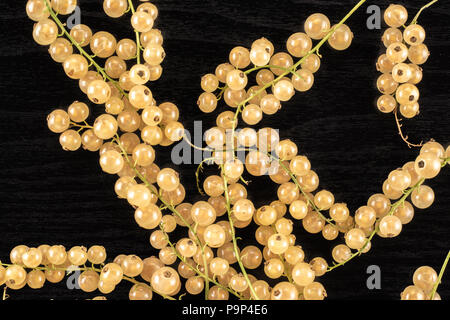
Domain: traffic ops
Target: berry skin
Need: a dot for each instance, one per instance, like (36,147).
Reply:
(395,15)
(414,34)
(317,26)
(342,38)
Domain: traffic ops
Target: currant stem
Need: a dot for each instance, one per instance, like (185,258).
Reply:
(81,50)
(206,278)
(441,273)
(220,94)
(138,41)
(185,138)
(81,127)
(233,235)
(288,70)
(400,132)
(197,174)
(5,296)
(414,21)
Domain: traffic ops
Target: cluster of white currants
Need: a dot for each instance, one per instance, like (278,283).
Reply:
(129,103)
(50,263)
(399,78)
(133,124)
(275,71)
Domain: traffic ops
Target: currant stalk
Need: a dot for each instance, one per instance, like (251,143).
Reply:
(441,274)
(233,235)
(138,41)
(414,21)
(400,131)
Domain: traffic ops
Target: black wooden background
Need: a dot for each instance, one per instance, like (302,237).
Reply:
(56,197)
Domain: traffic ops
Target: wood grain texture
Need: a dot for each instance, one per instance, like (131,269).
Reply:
(51,196)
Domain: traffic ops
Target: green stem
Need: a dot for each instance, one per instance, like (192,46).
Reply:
(269,66)
(197,174)
(81,50)
(220,94)
(5,296)
(441,273)
(138,41)
(233,236)
(414,21)
(205,264)
(168,205)
(77,125)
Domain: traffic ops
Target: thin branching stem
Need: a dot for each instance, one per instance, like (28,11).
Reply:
(233,236)
(441,274)
(400,132)
(414,21)
(138,41)
(197,174)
